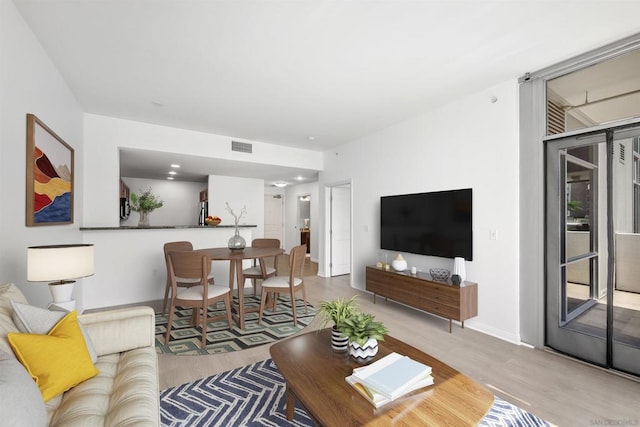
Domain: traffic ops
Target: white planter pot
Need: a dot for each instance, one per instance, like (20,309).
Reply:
(363,353)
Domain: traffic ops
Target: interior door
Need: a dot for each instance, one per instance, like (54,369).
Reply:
(340,230)
(273,217)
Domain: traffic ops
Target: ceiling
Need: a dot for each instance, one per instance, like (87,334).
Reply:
(301,73)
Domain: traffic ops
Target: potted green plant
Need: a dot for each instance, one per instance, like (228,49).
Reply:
(144,203)
(337,311)
(364,332)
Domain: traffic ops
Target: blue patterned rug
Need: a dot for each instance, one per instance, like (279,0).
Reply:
(254,395)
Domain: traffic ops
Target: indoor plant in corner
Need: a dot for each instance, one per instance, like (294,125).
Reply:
(145,203)
(337,311)
(364,332)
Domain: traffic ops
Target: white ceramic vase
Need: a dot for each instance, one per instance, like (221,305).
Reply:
(399,263)
(459,268)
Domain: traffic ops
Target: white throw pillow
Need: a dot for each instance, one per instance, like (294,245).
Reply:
(21,402)
(36,320)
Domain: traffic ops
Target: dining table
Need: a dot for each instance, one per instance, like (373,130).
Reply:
(236,256)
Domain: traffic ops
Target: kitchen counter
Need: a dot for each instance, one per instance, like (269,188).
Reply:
(164,227)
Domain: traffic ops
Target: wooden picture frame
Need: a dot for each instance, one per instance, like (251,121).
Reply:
(49,176)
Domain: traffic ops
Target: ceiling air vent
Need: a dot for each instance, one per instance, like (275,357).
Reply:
(241,147)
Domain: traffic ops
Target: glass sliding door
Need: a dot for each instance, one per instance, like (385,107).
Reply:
(625,296)
(593,247)
(576,206)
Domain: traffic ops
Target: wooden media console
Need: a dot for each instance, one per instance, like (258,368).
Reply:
(422,292)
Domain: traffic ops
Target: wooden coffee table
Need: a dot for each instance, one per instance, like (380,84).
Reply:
(315,375)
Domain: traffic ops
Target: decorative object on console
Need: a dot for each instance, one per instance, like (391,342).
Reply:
(363,332)
(399,263)
(459,270)
(237,242)
(144,204)
(439,274)
(337,311)
(49,176)
(60,264)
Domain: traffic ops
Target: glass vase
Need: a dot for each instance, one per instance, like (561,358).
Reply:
(144,219)
(237,242)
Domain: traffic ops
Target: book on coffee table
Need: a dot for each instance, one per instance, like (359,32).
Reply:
(389,378)
(377,399)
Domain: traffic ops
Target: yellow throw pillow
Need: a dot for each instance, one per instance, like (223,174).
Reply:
(56,361)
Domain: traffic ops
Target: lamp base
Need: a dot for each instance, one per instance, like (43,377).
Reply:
(62,295)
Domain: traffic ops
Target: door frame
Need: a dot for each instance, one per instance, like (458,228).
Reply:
(613,355)
(326,268)
(532,131)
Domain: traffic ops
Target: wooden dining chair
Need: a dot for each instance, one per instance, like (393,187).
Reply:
(262,268)
(195,265)
(178,246)
(289,284)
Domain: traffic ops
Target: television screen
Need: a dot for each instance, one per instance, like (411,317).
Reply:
(435,224)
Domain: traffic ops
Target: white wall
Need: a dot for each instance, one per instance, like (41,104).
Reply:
(239,193)
(106,135)
(30,83)
(181,201)
(130,266)
(470,142)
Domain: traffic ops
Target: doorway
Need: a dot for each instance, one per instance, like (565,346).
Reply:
(340,230)
(592,246)
(304,221)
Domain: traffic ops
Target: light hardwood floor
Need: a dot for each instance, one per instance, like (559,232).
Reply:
(563,391)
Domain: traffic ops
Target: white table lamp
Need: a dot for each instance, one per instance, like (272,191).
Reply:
(59,265)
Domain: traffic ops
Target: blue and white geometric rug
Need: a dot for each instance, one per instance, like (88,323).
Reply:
(254,395)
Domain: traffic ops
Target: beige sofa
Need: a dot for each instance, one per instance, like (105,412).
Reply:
(125,392)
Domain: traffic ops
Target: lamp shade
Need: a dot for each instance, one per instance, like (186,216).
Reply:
(59,262)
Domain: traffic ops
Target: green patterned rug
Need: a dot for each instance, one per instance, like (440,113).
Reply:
(186,338)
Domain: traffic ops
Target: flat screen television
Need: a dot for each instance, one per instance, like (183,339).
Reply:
(437,224)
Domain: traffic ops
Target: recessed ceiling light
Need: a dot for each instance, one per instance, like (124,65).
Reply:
(280,184)
(173,173)
(311,138)
(170,178)
(175,166)
(299,178)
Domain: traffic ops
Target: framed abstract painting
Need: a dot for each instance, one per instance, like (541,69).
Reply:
(49,176)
